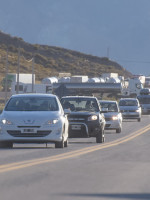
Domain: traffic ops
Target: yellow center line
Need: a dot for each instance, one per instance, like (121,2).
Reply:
(83,151)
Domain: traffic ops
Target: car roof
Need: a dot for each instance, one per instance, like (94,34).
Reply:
(143,96)
(128,99)
(107,101)
(88,97)
(33,95)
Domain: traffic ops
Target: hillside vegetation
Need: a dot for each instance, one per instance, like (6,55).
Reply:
(50,61)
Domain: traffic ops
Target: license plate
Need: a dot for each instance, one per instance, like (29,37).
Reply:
(76,127)
(29,130)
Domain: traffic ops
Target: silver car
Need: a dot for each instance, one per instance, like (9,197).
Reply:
(113,117)
(33,118)
(130,108)
(145,103)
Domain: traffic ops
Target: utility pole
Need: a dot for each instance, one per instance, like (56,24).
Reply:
(6,77)
(18,71)
(108,52)
(33,74)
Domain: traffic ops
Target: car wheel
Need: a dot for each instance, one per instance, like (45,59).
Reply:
(103,138)
(139,119)
(118,130)
(100,137)
(66,143)
(6,145)
(59,144)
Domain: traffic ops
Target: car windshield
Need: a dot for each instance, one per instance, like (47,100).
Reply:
(80,104)
(144,100)
(32,104)
(128,103)
(109,106)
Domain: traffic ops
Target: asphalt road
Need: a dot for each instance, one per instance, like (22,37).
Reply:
(119,169)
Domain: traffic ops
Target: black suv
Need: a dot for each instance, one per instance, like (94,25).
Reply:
(85,117)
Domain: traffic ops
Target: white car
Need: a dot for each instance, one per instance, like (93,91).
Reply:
(130,108)
(113,116)
(33,118)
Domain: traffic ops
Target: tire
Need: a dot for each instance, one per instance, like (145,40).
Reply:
(62,143)
(139,119)
(6,144)
(59,144)
(118,130)
(66,143)
(100,137)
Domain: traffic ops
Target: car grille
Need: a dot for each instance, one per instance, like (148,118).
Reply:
(129,110)
(40,133)
(107,125)
(77,118)
(108,118)
(28,126)
(78,133)
(131,116)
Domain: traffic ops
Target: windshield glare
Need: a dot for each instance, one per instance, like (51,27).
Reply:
(128,103)
(32,104)
(144,100)
(79,104)
(111,107)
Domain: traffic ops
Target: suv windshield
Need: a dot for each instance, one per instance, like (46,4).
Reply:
(80,104)
(32,104)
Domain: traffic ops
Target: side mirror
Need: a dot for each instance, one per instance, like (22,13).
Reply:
(67,111)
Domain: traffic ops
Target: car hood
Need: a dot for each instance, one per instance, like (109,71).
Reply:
(83,113)
(128,107)
(29,118)
(145,105)
(110,114)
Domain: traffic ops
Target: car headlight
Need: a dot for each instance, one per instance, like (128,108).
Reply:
(5,121)
(137,111)
(92,118)
(53,121)
(114,118)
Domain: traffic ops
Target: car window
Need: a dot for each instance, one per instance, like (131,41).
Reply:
(32,104)
(80,104)
(128,103)
(144,100)
(111,106)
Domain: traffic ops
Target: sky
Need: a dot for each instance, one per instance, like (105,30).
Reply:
(118,29)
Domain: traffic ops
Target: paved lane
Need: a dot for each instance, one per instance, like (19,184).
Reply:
(120,171)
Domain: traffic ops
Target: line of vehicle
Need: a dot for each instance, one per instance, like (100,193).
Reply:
(76,153)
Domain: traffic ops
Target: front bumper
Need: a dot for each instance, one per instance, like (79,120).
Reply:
(31,134)
(131,115)
(146,111)
(81,130)
(114,124)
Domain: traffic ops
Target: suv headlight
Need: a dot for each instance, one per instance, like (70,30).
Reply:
(53,121)
(114,118)
(7,122)
(92,118)
(137,110)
